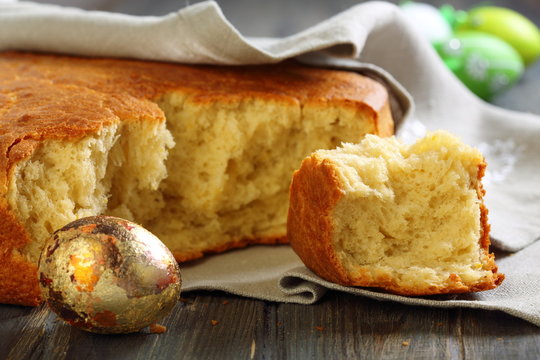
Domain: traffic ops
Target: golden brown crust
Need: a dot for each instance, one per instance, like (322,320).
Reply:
(18,277)
(61,97)
(384,122)
(184,256)
(315,192)
(484,237)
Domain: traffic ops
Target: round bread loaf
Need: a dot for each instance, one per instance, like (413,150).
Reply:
(202,156)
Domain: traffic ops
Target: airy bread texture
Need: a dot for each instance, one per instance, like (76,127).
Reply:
(200,155)
(407,219)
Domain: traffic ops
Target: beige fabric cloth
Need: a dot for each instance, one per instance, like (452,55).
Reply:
(373,38)
(275,273)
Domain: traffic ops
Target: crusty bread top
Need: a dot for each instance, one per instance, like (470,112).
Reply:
(49,96)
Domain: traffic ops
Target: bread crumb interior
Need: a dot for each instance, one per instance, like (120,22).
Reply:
(216,172)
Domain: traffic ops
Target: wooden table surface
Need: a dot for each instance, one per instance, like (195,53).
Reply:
(340,326)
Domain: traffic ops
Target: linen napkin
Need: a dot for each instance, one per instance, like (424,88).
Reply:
(275,273)
(373,38)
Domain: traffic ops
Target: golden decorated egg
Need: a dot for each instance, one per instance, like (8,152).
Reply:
(108,275)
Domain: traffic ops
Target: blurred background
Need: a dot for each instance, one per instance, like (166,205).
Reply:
(279,18)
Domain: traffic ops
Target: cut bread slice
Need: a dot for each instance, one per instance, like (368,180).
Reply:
(407,219)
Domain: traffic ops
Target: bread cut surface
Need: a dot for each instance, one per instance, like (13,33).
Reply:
(407,219)
(200,155)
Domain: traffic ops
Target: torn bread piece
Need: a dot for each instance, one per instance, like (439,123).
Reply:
(406,219)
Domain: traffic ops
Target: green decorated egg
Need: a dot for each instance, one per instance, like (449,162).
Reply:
(512,27)
(484,63)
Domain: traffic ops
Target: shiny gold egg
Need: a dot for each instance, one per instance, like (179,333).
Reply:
(108,275)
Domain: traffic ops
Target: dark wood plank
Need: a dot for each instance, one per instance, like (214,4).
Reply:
(494,335)
(350,326)
(208,326)
(362,328)
(11,317)
(221,326)
(27,336)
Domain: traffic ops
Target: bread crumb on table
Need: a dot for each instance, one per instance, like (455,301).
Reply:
(405,343)
(157,329)
(252,350)
(214,322)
